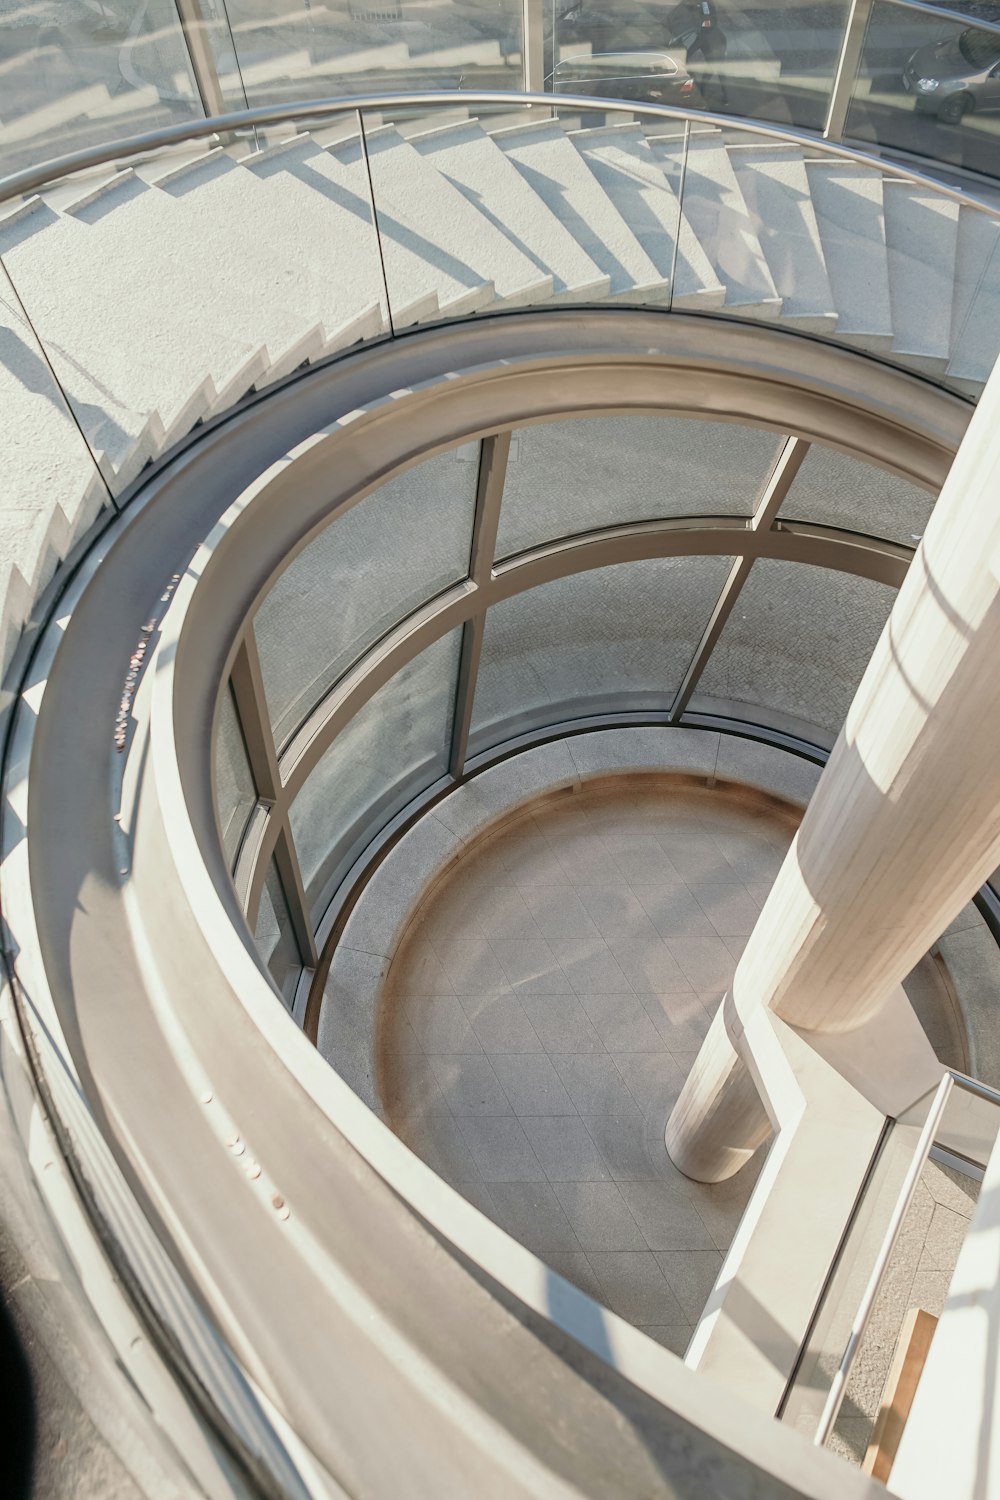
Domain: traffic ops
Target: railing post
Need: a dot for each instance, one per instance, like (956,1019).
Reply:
(847,69)
(199,50)
(533,45)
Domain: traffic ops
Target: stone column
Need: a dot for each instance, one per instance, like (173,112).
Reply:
(903,828)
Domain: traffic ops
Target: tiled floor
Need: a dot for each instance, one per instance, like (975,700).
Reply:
(544,1008)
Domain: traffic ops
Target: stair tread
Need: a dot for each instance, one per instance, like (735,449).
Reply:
(776,190)
(551,165)
(716,209)
(921,237)
(847,201)
(640,188)
(414,199)
(477,167)
(975,311)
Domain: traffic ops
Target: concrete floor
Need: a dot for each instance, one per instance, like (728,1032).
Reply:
(541,1015)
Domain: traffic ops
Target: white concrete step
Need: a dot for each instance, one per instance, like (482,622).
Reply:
(921,229)
(476,166)
(415,268)
(51,491)
(551,165)
(776,191)
(847,201)
(975,308)
(122,333)
(717,212)
(420,204)
(640,188)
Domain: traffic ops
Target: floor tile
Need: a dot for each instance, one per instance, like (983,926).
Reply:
(576,1269)
(673,1336)
(501,1024)
(674,911)
(439,1024)
(589,966)
(667,1217)
(561,1023)
(622,1023)
(621,1140)
(595,1084)
(501,1150)
(532,1213)
(564,1148)
(653,1079)
(471,966)
(636,1288)
(649,965)
(532,1085)
(558,912)
(599,1216)
(616,911)
(730,909)
(706,962)
(530,967)
(691,1275)
(470,1086)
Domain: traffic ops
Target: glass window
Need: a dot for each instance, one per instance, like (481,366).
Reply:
(617,638)
(275,938)
(923,87)
(798,641)
(79,75)
(567,477)
(392,749)
(360,576)
(296,50)
(834,490)
(235,793)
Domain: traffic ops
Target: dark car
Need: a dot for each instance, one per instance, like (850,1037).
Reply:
(953,77)
(660,77)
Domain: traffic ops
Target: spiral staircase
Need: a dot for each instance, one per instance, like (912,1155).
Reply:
(220,351)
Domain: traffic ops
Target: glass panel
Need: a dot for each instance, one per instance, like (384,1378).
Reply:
(390,553)
(155,314)
(617,638)
(392,749)
(235,793)
(286,50)
(503,210)
(567,477)
(79,75)
(798,641)
(929,86)
(275,938)
(771,62)
(834,490)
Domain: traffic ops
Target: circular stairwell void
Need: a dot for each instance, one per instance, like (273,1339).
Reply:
(543,1006)
(284,1246)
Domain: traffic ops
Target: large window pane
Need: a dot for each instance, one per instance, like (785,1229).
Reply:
(834,490)
(362,575)
(565,477)
(79,74)
(234,788)
(275,938)
(389,752)
(286,50)
(798,641)
(928,85)
(771,62)
(617,638)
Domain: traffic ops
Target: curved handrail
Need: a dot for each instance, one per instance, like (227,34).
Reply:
(32,178)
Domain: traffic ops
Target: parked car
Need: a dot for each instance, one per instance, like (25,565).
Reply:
(951,78)
(658,77)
